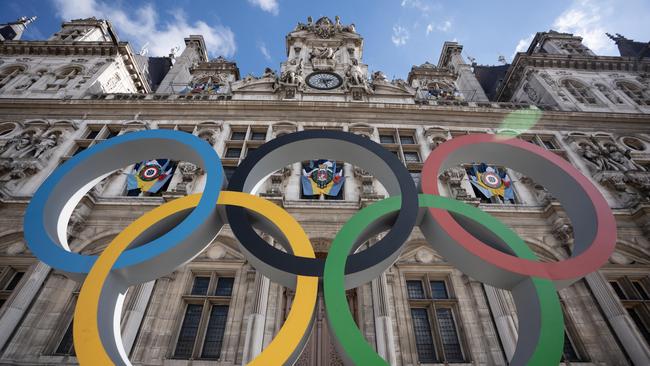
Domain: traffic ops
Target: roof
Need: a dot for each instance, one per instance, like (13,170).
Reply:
(629,47)
(490,77)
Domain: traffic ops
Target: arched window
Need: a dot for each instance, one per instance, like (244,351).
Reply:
(579,91)
(609,94)
(634,92)
(9,73)
(62,78)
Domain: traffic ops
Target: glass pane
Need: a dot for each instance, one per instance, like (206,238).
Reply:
(66,346)
(423,338)
(416,177)
(569,353)
(110,134)
(92,134)
(639,287)
(215,331)
(618,289)
(200,286)
(233,152)
(187,335)
(387,139)
(407,139)
(415,289)
(411,156)
(238,135)
(261,136)
(450,343)
(224,286)
(634,313)
(549,144)
(439,290)
(79,149)
(14,281)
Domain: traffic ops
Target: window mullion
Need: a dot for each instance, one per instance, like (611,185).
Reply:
(200,334)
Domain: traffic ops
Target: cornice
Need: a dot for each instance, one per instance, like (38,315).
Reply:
(334,112)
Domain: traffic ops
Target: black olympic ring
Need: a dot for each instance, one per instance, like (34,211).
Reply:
(333,145)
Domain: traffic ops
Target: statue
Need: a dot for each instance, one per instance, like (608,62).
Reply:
(45,144)
(378,76)
(355,74)
(292,73)
(337,23)
(269,73)
(619,159)
(592,155)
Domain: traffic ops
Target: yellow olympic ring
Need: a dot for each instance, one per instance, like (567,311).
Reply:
(87,342)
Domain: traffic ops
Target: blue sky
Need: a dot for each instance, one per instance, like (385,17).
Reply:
(397,34)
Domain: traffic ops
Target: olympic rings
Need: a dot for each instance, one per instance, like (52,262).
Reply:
(47,214)
(476,254)
(174,233)
(97,339)
(538,306)
(334,145)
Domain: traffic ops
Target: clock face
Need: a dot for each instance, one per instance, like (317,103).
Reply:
(324,80)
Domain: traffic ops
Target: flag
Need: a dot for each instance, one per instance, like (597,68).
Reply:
(321,177)
(149,176)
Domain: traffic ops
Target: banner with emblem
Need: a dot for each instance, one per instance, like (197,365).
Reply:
(321,177)
(491,181)
(149,176)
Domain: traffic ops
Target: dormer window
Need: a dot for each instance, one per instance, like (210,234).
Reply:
(634,92)
(580,92)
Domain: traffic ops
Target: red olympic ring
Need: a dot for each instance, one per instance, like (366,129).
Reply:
(586,261)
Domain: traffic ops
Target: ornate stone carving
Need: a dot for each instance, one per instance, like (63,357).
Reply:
(531,93)
(454,177)
(367,186)
(324,27)
(292,79)
(188,172)
(562,230)
(607,157)
(322,58)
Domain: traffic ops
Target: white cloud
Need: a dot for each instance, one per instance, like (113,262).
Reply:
(142,26)
(269,6)
(417,4)
(400,35)
(523,44)
(265,51)
(445,26)
(429,28)
(587,19)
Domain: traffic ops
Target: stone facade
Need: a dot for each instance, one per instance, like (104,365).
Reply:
(83,85)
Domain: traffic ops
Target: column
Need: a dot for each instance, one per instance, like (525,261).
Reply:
(135,313)
(504,320)
(383,321)
(619,319)
(16,308)
(254,340)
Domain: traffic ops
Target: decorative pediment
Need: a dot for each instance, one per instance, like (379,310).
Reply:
(419,253)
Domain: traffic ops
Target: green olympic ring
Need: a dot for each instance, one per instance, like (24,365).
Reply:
(549,344)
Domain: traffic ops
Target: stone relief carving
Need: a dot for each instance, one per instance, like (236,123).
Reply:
(292,73)
(322,58)
(607,156)
(324,27)
(188,172)
(454,177)
(531,93)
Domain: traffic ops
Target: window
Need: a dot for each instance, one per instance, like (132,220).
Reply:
(403,144)
(634,295)
(10,278)
(569,351)
(9,73)
(66,344)
(94,134)
(434,313)
(238,135)
(205,316)
(548,142)
(609,94)
(233,152)
(258,135)
(63,77)
(579,91)
(634,92)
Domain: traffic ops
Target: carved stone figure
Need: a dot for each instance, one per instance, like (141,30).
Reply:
(322,53)
(619,159)
(46,143)
(292,73)
(269,73)
(592,155)
(20,146)
(355,75)
(531,93)
(378,77)
(188,172)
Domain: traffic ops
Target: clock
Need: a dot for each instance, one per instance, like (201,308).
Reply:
(324,80)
